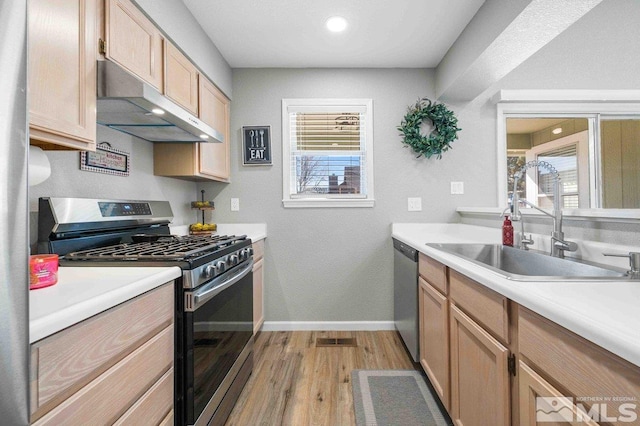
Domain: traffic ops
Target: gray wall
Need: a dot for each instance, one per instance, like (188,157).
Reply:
(310,276)
(600,51)
(67,180)
(594,53)
(336,264)
(597,52)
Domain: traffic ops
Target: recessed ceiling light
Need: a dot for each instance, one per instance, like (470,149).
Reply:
(557,130)
(157,111)
(336,24)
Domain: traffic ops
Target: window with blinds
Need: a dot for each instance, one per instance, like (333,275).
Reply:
(565,161)
(327,152)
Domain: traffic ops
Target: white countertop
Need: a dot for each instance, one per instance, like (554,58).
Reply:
(255,231)
(604,312)
(82,292)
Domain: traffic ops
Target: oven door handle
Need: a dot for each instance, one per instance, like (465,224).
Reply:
(204,294)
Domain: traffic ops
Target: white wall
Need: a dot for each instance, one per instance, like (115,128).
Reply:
(67,180)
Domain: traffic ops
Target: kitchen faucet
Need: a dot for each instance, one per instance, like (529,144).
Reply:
(558,243)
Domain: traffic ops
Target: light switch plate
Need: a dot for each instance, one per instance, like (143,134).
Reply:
(414,204)
(457,188)
(235,204)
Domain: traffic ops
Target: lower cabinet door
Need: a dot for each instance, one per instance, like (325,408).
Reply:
(541,403)
(479,374)
(434,339)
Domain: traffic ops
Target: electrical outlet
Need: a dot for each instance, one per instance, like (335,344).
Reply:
(235,204)
(414,204)
(457,188)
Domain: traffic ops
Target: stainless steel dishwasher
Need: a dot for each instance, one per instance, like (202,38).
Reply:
(405,295)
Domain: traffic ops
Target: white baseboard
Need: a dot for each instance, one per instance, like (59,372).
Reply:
(328,325)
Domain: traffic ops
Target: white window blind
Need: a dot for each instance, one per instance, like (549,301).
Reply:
(327,148)
(565,161)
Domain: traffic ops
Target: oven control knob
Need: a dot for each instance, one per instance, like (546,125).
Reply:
(233,259)
(209,271)
(221,266)
(244,254)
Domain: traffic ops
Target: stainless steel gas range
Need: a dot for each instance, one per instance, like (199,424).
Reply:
(214,296)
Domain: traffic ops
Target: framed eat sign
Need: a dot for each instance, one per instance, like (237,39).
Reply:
(256,144)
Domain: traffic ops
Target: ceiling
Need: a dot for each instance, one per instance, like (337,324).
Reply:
(531,125)
(292,33)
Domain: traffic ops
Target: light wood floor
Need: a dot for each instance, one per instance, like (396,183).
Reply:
(296,383)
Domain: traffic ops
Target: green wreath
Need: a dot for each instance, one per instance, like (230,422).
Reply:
(445,128)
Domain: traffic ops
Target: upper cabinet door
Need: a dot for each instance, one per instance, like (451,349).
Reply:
(214,110)
(62,73)
(133,41)
(181,79)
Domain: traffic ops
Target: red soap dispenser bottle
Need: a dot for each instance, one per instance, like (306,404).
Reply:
(507,232)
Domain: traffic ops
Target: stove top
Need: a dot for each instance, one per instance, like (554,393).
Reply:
(165,248)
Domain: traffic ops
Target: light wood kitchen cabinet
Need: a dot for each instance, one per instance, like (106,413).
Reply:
(434,272)
(531,387)
(258,285)
(114,365)
(480,383)
(199,161)
(133,41)
(215,158)
(433,324)
(484,305)
(434,338)
(490,337)
(62,74)
(180,79)
(559,363)
(479,334)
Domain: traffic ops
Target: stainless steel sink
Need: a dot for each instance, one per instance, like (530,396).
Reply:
(521,265)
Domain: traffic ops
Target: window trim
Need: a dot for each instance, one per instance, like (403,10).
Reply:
(581,141)
(318,201)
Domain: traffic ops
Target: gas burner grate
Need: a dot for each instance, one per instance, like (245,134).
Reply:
(171,248)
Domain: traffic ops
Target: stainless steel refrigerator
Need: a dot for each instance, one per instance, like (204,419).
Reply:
(14,209)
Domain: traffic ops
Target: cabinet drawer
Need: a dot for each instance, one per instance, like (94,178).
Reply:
(68,360)
(108,397)
(258,250)
(434,272)
(486,306)
(154,405)
(574,365)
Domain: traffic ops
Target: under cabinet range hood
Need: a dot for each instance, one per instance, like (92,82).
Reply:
(132,106)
